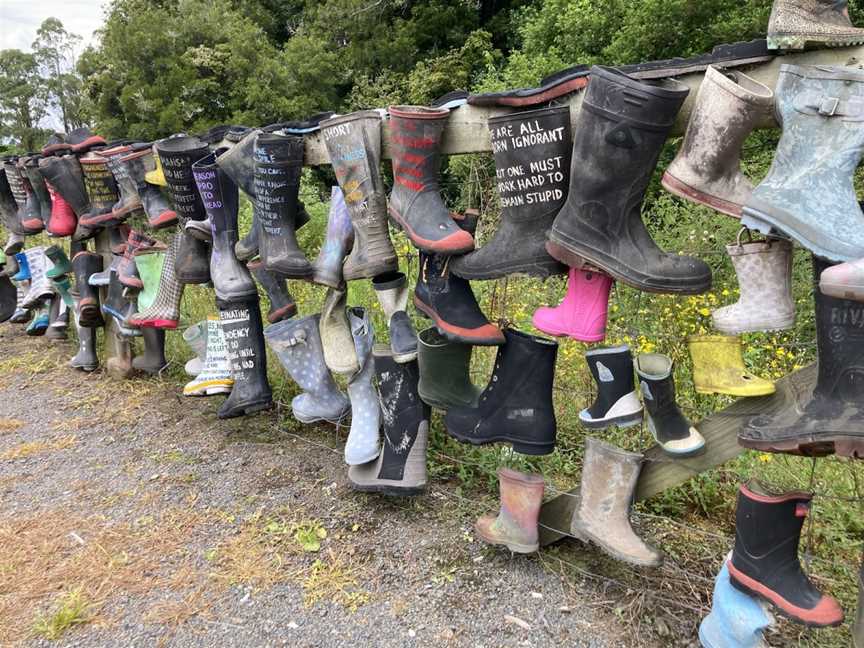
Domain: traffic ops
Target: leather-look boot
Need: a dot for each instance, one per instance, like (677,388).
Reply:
(214,375)
(89,312)
(445,372)
(707,169)
(617,402)
(354,144)
(336,333)
(364,441)
(516,406)
(400,469)
(244,338)
(101,190)
(830,419)
(278,164)
(164,312)
(391,289)
(153,360)
(602,515)
(136,164)
(794,24)
(231,279)
(765,559)
(416,205)
(337,243)
(515,526)
(532,166)
(617,141)
(808,193)
(282,304)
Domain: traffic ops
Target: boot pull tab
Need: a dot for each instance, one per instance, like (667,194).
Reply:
(741,232)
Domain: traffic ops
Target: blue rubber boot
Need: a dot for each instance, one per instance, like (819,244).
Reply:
(736,619)
(23,267)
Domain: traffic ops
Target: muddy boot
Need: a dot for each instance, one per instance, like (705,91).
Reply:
(102,192)
(129,202)
(532,161)
(164,312)
(60,262)
(354,144)
(89,312)
(808,193)
(617,402)
(449,301)
(617,141)
(282,304)
(669,427)
(127,270)
(39,188)
(337,243)
(718,367)
(858,628)
(391,289)
(86,358)
(765,559)
(336,336)
(364,442)
(40,285)
(602,515)
(707,169)
(515,527)
(214,376)
(153,361)
(244,339)
(157,209)
(416,205)
(231,279)
(400,469)
(196,337)
(516,406)
(794,24)
(8,299)
(445,378)
(764,270)
(278,165)
(583,312)
(736,619)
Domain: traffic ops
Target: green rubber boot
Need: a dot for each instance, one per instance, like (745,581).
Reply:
(60,260)
(149,266)
(445,380)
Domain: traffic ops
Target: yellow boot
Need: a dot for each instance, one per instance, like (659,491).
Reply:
(718,367)
(155,176)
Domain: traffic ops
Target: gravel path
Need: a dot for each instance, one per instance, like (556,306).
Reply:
(181,530)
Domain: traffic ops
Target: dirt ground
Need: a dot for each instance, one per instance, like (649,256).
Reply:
(136,518)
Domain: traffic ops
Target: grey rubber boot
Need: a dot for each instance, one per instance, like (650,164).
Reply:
(215,375)
(707,169)
(86,358)
(602,516)
(391,289)
(794,24)
(335,331)
(400,469)
(327,269)
(354,144)
(297,344)
(196,337)
(153,360)
(445,379)
(364,441)
(808,193)
(764,270)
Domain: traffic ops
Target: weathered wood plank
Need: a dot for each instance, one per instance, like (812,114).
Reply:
(467,132)
(661,472)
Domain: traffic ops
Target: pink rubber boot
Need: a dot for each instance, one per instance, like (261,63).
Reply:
(582,313)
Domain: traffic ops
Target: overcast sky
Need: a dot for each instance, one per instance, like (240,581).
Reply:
(19,19)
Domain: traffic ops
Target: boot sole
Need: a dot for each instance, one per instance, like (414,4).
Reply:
(164,219)
(609,266)
(212,390)
(245,410)
(787,41)
(441,246)
(765,327)
(734,392)
(756,219)
(455,333)
(385,488)
(750,586)
(155,323)
(522,447)
(515,547)
(541,268)
(573,335)
(588,538)
(675,186)
(837,444)
(623,421)
(841,291)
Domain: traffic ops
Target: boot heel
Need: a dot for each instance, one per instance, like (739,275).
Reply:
(534,450)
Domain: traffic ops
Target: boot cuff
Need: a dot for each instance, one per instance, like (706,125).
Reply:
(290,328)
(714,339)
(430,337)
(182,144)
(287,148)
(418,112)
(654,366)
(508,474)
(389,280)
(596,446)
(757,491)
(823,72)
(669,89)
(608,351)
(742,86)
(355,116)
(134,155)
(514,336)
(647,106)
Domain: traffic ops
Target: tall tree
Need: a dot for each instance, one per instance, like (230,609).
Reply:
(54,51)
(22,99)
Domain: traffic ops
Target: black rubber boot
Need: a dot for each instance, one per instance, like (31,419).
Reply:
(153,361)
(449,301)
(282,305)
(445,371)
(391,289)
(8,206)
(532,162)
(30,214)
(617,402)
(58,320)
(400,469)
(354,145)
(244,338)
(65,175)
(86,358)
(670,428)
(85,264)
(156,207)
(765,559)
(616,144)
(516,406)
(40,190)
(416,205)
(231,279)
(831,419)
(8,298)
(278,164)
